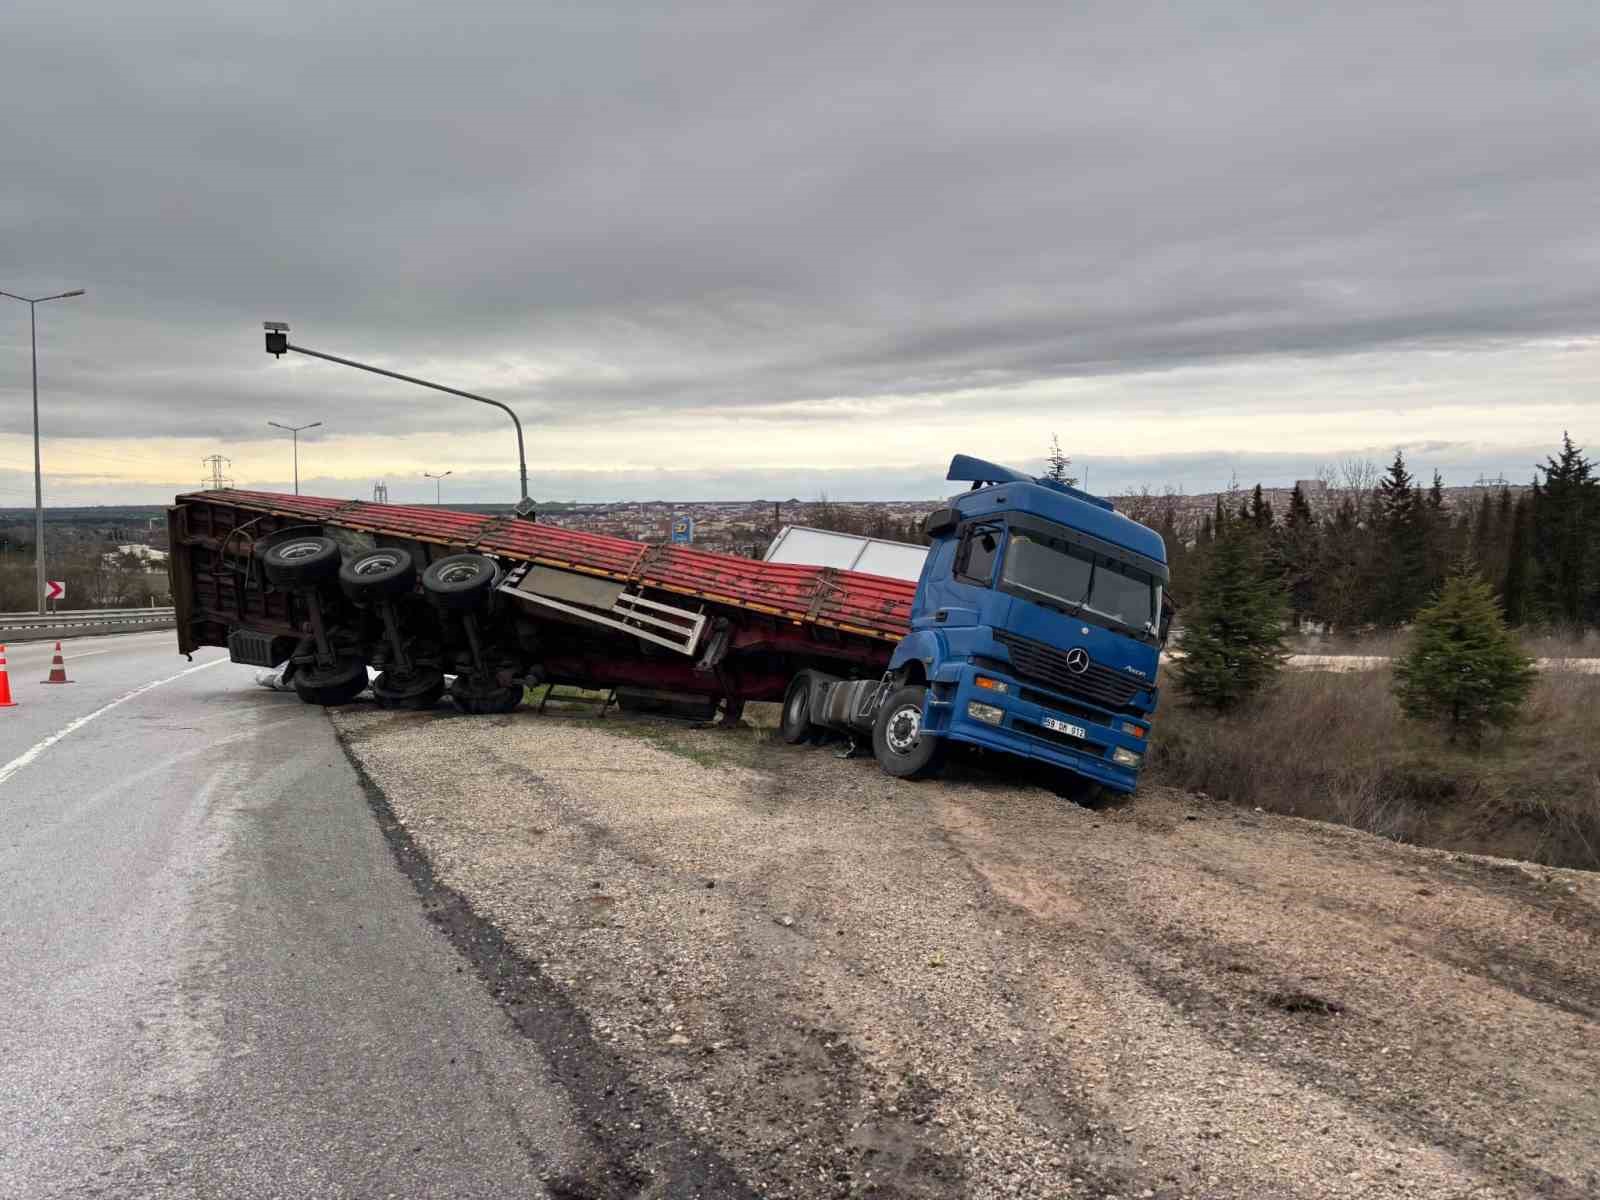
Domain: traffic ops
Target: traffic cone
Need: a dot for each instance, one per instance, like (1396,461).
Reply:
(58,669)
(5,683)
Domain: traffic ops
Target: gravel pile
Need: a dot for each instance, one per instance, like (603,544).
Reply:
(844,984)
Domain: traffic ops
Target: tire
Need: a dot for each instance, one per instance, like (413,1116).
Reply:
(479,700)
(417,691)
(462,582)
(338,684)
(794,725)
(380,574)
(899,744)
(301,562)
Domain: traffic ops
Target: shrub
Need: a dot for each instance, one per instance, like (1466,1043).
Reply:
(1233,634)
(1463,667)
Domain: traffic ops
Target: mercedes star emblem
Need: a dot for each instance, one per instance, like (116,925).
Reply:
(1077,660)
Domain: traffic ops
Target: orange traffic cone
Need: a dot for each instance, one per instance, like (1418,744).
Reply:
(5,683)
(58,669)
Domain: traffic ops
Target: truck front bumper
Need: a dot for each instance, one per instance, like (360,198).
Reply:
(1022,730)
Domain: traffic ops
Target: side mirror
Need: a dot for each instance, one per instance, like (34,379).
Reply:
(1167,609)
(941,521)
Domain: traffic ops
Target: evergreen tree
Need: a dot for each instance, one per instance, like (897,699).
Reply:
(1260,510)
(1463,667)
(1564,538)
(1484,542)
(1300,515)
(1343,595)
(1514,592)
(1058,465)
(1402,554)
(1233,636)
(1296,550)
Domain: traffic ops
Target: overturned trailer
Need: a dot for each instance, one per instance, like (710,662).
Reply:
(1034,629)
(334,587)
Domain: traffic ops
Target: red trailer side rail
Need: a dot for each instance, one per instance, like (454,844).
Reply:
(793,610)
(869,605)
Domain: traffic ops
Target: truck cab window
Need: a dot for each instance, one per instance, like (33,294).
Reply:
(980,547)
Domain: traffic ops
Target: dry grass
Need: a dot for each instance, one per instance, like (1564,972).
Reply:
(1389,643)
(1335,747)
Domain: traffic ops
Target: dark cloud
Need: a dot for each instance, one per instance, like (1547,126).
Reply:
(601,207)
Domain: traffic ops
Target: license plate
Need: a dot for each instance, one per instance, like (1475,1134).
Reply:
(1077,731)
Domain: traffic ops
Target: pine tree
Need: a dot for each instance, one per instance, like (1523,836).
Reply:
(1295,551)
(1300,515)
(1564,538)
(1514,591)
(1403,581)
(1260,510)
(1233,636)
(1057,464)
(1463,666)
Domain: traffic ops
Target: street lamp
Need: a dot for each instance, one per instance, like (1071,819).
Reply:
(438,487)
(295,429)
(38,476)
(278,344)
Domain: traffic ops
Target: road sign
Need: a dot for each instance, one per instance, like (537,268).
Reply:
(55,589)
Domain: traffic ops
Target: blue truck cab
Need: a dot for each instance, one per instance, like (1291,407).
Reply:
(1036,631)
(1038,624)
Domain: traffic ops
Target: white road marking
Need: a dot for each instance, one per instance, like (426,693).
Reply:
(33,752)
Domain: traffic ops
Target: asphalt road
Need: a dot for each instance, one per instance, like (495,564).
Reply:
(213,979)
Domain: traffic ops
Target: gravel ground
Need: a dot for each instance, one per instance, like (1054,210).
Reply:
(842,984)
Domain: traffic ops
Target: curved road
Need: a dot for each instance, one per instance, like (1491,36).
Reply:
(214,980)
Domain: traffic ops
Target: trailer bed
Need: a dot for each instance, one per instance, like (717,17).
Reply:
(870,606)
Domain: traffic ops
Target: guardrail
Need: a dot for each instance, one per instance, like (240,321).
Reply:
(79,622)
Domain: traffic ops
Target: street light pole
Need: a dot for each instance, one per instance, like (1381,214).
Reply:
(438,488)
(295,429)
(278,344)
(38,474)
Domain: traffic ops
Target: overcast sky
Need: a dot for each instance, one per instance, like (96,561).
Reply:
(726,250)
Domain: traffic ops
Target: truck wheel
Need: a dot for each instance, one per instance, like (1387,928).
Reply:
(461,583)
(301,562)
(338,684)
(416,691)
(480,700)
(795,725)
(378,575)
(898,741)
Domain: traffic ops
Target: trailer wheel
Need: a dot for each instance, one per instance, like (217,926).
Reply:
(378,575)
(898,741)
(480,700)
(795,725)
(338,684)
(461,583)
(301,562)
(416,691)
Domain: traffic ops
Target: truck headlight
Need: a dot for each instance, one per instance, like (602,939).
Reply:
(987,713)
(1132,730)
(998,686)
(1125,758)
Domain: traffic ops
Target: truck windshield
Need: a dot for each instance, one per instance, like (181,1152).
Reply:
(1078,580)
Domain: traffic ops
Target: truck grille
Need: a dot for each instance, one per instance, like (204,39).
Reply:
(1045,665)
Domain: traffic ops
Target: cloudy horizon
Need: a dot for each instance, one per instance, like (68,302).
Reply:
(740,252)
